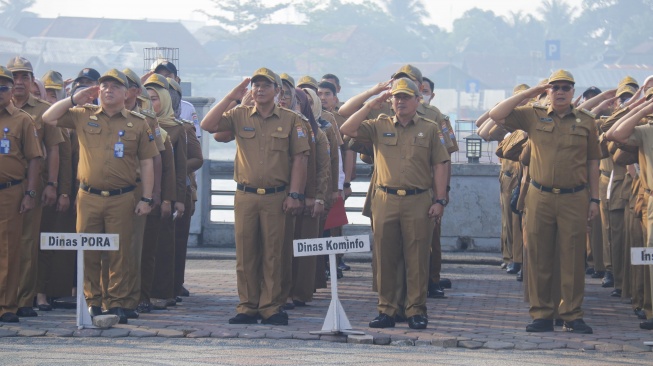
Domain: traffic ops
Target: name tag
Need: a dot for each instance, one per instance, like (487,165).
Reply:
(389,134)
(5,146)
(546,119)
(119,150)
(248,129)
(93,124)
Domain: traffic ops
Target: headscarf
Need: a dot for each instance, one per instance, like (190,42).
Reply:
(306,108)
(165,116)
(293,98)
(175,99)
(317,103)
(41,87)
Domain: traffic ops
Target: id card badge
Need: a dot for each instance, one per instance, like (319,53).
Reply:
(5,144)
(119,150)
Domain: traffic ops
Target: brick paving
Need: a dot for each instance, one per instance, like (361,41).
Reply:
(484,309)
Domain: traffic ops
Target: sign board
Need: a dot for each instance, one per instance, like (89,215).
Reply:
(333,245)
(472,86)
(641,256)
(552,49)
(79,241)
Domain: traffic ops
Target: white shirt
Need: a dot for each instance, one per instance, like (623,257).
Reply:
(188,113)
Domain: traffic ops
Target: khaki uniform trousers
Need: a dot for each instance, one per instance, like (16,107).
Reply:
(632,277)
(287,260)
(11,225)
(164,263)
(617,205)
(647,217)
(605,221)
(507,184)
(114,215)
(402,234)
(595,245)
(435,266)
(182,230)
(148,254)
(303,268)
(29,251)
(556,230)
(260,226)
(56,269)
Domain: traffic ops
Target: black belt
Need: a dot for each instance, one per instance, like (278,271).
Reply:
(401,192)
(102,193)
(9,184)
(261,191)
(607,174)
(508,174)
(557,190)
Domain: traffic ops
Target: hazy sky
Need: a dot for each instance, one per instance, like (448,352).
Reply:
(442,12)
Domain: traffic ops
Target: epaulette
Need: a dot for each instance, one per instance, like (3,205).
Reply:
(588,112)
(383,115)
(446,118)
(179,121)
(43,101)
(148,113)
(539,106)
(90,106)
(295,112)
(137,114)
(186,121)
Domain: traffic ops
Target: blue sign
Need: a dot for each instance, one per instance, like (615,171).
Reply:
(473,86)
(552,49)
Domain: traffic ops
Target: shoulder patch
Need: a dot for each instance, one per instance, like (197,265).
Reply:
(588,112)
(186,121)
(148,113)
(91,106)
(179,121)
(137,114)
(540,106)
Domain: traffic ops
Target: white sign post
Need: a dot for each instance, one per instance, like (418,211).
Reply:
(80,242)
(643,256)
(336,320)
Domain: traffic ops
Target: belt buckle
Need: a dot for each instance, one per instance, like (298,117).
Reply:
(401,192)
(260,190)
(555,190)
(8,184)
(104,193)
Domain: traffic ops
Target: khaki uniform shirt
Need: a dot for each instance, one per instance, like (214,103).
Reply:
(264,146)
(323,169)
(404,155)
(560,147)
(98,134)
(168,174)
(150,118)
(643,137)
(23,141)
(177,136)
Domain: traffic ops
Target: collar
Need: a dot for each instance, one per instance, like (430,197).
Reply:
(124,112)
(31,100)
(11,108)
(573,111)
(254,111)
(396,121)
(421,109)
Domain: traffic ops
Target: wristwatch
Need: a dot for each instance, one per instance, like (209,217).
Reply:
(442,201)
(54,184)
(321,202)
(346,185)
(30,193)
(149,201)
(595,200)
(64,195)
(302,197)
(293,195)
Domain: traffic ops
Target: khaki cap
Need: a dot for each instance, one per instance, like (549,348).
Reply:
(116,75)
(519,88)
(174,85)
(157,79)
(266,73)
(307,81)
(132,76)
(406,86)
(6,74)
(19,64)
(626,89)
(144,95)
(561,75)
(628,80)
(52,80)
(288,78)
(409,71)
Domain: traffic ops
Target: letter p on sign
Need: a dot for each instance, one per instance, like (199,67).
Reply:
(552,49)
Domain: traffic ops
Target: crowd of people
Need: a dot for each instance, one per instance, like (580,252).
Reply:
(116,153)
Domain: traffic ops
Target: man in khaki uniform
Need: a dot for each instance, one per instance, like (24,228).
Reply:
(271,157)
(20,151)
(564,160)
(114,142)
(409,160)
(45,194)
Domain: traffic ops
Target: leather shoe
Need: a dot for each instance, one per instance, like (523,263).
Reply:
(131,313)
(171,302)
(342,266)
(94,310)
(648,325)
(44,307)
(608,280)
(640,313)
(280,318)
(242,318)
(516,267)
(503,265)
(178,299)
(577,326)
(558,322)
(382,321)
(598,274)
(417,322)
(616,293)
(435,291)
(26,312)
(589,270)
(445,283)
(288,306)
(540,325)
(144,307)
(520,275)
(184,292)
(9,318)
(120,313)
(299,303)
(400,318)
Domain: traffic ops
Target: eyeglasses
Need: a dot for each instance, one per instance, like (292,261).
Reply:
(4,88)
(564,88)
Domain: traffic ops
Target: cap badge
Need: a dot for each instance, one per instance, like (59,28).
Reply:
(129,124)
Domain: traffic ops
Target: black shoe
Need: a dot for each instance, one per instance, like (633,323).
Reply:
(510,266)
(94,310)
(339,273)
(558,322)
(540,325)
(120,313)
(9,318)
(382,321)
(400,318)
(144,307)
(577,326)
(598,274)
(44,307)
(184,292)
(288,306)
(178,299)
(503,265)
(516,267)
(131,313)
(26,312)
(242,318)
(280,318)
(417,322)
(342,266)
(435,291)
(299,303)
(589,270)
(640,313)
(520,275)
(445,283)
(648,325)
(608,280)
(616,293)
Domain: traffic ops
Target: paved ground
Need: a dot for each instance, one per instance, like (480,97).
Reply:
(484,309)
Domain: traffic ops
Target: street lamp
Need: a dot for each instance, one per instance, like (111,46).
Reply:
(473,145)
